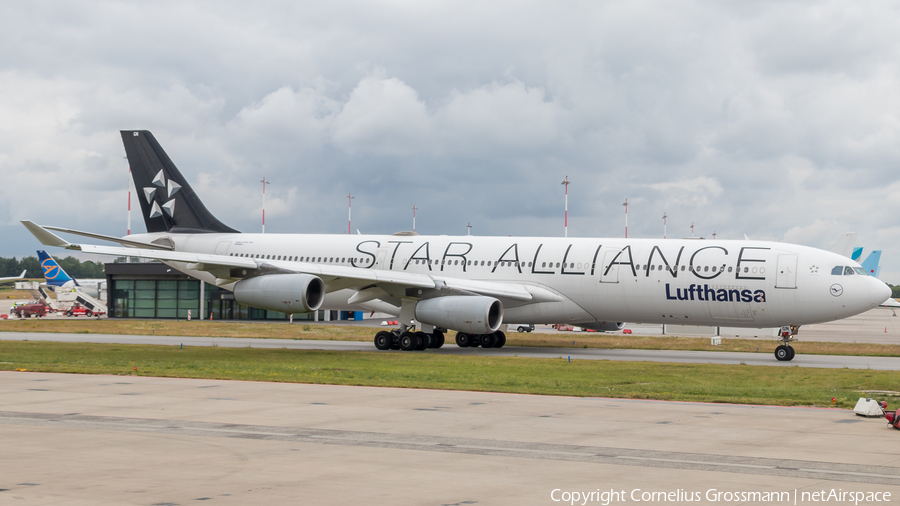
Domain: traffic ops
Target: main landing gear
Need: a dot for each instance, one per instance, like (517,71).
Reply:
(408,340)
(784,352)
(493,340)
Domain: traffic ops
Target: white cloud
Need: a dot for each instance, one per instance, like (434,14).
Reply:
(383,116)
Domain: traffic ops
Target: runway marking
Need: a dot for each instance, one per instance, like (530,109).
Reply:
(817,470)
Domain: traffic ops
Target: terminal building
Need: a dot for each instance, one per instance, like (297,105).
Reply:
(155,290)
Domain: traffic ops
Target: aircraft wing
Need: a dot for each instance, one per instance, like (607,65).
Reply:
(20,276)
(890,304)
(336,277)
(370,284)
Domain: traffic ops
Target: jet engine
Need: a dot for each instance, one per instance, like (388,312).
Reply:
(469,314)
(605,326)
(288,293)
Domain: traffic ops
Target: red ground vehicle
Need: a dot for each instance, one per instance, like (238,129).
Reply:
(30,309)
(79,310)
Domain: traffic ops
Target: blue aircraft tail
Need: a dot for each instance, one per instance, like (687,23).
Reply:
(53,273)
(871,263)
(857,254)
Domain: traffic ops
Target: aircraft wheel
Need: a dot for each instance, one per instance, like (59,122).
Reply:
(487,340)
(501,339)
(409,341)
(791,349)
(463,340)
(437,340)
(383,340)
(782,353)
(424,340)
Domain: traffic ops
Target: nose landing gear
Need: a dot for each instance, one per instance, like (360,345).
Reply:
(784,352)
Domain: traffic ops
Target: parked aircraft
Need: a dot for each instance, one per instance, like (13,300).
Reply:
(57,279)
(470,284)
(871,263)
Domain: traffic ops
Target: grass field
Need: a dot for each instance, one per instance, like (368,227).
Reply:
(357,333)
(636,380)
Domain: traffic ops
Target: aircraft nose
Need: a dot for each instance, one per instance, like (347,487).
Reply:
(879,292)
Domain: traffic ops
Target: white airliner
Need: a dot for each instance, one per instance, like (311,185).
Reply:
(471,284)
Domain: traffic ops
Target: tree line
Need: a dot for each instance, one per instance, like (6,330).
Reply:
(73,267)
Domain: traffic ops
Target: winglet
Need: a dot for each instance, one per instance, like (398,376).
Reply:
(46,237)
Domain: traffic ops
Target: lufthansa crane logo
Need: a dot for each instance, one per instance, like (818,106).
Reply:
(837,290)
(170,188)
(51,270)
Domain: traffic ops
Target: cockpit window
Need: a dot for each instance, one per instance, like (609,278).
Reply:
(860,271)
(848,271)
(837,270)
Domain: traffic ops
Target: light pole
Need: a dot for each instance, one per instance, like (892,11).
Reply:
(664,225)
(128,231)
(565,182)
(414,217)
(350,198)
(626,218)
(264,183)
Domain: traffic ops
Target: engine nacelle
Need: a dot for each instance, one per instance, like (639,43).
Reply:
(288,293)
(469,314)
(605,326)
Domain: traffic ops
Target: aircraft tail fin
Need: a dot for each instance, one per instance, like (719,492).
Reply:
(53,272)
(844,245)
(168,203)
(871,263)
(857,253)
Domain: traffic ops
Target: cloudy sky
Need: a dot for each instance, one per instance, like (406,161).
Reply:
(778,120)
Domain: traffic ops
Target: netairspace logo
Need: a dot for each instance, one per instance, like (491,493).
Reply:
(712,495)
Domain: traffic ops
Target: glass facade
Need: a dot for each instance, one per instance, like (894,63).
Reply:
(155,298)
(168,298)
(153,290)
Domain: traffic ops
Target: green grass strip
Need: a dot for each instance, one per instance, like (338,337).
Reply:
(588,378)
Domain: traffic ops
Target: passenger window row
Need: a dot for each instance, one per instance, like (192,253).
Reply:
(508,263)
(302,259)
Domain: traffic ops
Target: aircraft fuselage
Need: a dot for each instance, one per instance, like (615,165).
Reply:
(676,281)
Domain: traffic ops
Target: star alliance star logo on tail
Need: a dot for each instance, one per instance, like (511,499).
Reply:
(171,188)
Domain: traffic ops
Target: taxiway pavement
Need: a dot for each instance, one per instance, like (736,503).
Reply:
(91,439)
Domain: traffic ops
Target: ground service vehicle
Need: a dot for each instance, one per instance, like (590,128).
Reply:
(79,310)
(31,309)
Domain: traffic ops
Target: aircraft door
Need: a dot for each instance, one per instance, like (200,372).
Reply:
(222,247)
(379,258)
(786,274)
(610,273)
